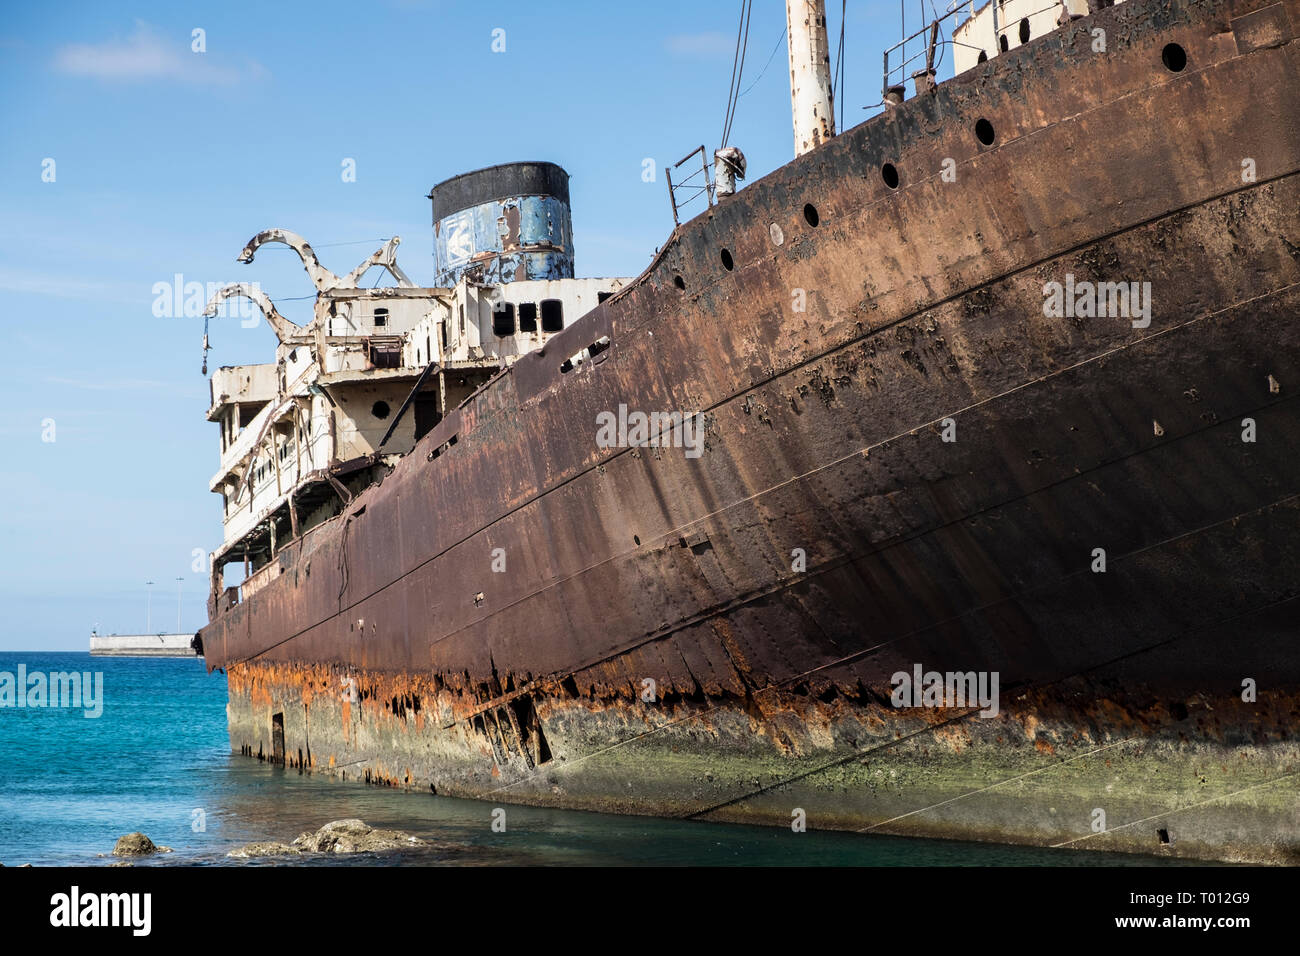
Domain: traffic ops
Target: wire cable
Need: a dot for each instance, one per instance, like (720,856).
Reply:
(837,82)
(322,245)
(737,68)
(770,56)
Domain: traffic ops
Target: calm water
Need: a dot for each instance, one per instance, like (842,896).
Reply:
(69,786)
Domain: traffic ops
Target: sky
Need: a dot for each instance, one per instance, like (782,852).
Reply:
(133,150)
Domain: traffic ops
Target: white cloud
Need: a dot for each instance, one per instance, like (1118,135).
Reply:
(701,44)
(146,55)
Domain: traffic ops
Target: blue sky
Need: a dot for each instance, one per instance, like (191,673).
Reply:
(167,161)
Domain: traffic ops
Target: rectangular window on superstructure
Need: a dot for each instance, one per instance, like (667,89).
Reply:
(503,320)
(528,317)
(381,318)
(552,315)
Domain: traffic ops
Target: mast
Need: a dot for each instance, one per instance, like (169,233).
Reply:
(810,74)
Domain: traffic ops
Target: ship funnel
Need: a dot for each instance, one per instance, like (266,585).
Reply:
(810,74)
(502,224)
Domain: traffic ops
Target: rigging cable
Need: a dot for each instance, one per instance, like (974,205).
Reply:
(770,57)
(324,245)
(940,43)
(837,82)
(737,68)
(735,61)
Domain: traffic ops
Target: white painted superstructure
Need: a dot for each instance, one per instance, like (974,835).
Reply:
(352,390)
(1002,25)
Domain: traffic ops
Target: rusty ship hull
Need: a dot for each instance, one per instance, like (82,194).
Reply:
(651,647)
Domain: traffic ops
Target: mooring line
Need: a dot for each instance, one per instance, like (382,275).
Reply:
(535,772)
(999,783)
(1191,806)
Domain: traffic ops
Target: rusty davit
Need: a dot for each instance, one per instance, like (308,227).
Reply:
(942,482)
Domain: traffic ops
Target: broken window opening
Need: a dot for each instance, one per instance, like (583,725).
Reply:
(503,320)
(384,352)
(552,315)
(528,317)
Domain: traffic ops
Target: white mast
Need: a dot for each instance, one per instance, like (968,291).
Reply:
(810,74)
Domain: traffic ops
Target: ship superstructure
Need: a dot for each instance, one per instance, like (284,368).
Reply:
(354,389)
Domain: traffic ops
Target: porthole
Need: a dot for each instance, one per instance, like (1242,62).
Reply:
(1024,30)
(890,175)
(679,282)
(727,262)
(810,215)
(1174,58)
(1002,43)
(380,410)
(984,131)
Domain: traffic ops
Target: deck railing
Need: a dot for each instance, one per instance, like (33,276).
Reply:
(692,183)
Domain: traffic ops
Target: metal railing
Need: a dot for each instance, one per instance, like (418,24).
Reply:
(933,45)
(689,183)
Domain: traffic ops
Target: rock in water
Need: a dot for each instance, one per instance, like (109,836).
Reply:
(341,836)
(265,848)
(354,836)
(137,844)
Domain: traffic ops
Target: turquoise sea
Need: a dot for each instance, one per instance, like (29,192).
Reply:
(157,760)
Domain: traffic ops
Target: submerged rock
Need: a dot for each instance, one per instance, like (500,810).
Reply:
(264,848)
(340,836)
(137,844)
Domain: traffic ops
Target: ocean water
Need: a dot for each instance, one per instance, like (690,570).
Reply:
(157,760)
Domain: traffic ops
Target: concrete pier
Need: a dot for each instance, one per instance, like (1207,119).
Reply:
(141,645)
